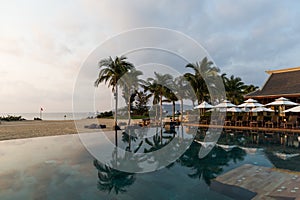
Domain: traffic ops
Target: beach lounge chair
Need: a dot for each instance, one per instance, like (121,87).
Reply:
(275,120)
(260,120)
(292,121)
(227,122)
(245,120)
(239,121)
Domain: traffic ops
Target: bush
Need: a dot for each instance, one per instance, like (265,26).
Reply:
(105,114)
(11,118)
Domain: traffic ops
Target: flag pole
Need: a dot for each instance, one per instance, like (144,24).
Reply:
(41,112)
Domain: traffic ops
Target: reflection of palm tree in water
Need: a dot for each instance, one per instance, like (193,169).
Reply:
(128,137)
(158,141)
(236,154)
(210,166)
(111,179)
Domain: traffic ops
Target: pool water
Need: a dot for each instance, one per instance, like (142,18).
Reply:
(59,167)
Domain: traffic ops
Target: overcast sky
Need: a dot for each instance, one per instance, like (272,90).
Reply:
(44,43)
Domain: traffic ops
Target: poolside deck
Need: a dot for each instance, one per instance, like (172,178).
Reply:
(266,183)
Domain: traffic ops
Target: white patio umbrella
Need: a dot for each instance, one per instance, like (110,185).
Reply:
(217,109)
(245,109)
(225,104)
(234,109)
(262,109)
(250,103)
(282,101)
(294,109)
(204,105)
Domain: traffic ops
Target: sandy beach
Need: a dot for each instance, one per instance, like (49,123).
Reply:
(31,128)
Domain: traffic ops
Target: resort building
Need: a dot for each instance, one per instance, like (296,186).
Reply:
(281,83)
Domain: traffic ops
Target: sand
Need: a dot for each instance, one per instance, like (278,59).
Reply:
(31,128)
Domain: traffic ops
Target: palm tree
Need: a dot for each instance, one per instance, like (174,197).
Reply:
(159,87)
(204,71)
(234,89)
(181,89)
(142,99)
(171,97)
(130,83)
(152,88)
(250,88)
(111,70)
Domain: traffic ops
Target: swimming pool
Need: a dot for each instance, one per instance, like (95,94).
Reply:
(59,167)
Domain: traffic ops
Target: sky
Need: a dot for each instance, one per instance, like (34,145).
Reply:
(43,44)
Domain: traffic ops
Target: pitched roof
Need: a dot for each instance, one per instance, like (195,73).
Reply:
(285,82)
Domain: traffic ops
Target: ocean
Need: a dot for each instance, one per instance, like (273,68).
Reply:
(52,115)
(79,115)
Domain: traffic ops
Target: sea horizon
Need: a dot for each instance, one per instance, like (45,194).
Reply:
(51,115)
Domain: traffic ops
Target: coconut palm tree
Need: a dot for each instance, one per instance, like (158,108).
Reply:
(159,87)
(171,97)
(152,88)
(181,87)
(130,83)
(141,101)
(111,71)
(235,88)
(204,73)
(250,88)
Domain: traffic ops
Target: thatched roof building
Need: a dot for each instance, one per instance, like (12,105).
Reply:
(281,83)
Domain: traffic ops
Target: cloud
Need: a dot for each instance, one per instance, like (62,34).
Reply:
(47,42)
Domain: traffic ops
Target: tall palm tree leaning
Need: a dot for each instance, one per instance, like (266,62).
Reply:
(111,71)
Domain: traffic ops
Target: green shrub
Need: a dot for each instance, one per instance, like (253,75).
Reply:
(106,114)
(11,118)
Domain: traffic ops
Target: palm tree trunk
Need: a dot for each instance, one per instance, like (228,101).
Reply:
(129,140)
(181,109)
(129,110)
(160,110)
(156,114)
(116,118)
(173,110)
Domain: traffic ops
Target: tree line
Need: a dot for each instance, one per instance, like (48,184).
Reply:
(194,85)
